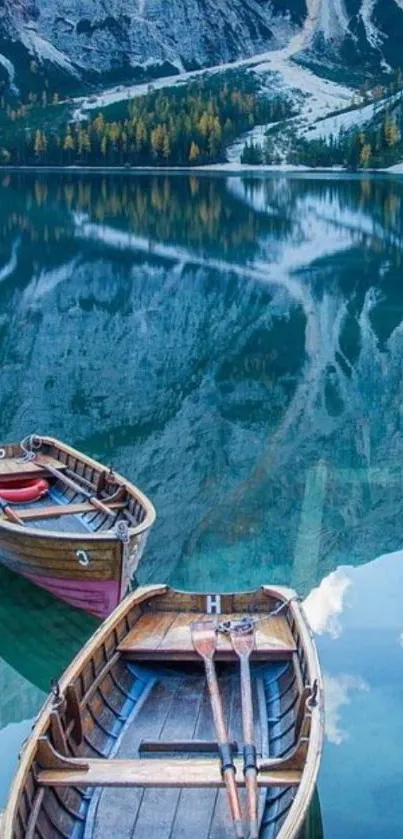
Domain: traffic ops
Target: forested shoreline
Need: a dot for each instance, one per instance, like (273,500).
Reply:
(183,126)
(376,143)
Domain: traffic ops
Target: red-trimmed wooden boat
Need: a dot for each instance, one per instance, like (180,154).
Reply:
(126,746)
(82,532)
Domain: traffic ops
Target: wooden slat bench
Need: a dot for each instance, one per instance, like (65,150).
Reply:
(165,635)
(64,510)
(13,468)
(197,773)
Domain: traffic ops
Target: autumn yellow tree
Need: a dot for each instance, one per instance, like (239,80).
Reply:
(391,131)
(98,124)
(204,124)
(166,145)
(69,144)
(104,145)
(365,155)
(40,144)
(194,152)
(157,141)
(83,141)
(140,135)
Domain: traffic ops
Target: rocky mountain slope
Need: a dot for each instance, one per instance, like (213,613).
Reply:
(359,33)
(126,39)
(122,40)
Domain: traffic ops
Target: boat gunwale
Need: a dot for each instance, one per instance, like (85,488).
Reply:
(300,805)
(301,802)
(103,536)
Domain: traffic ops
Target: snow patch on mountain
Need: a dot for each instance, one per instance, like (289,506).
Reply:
(324,129)
(333,20)
(397,169)
(374,37)
(45,51)
(10,70)
(355,118)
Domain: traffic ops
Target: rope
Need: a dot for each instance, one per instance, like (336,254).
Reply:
(241,627)
(244,625)
(30,445)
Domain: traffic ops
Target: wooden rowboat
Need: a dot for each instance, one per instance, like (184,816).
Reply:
(84,538)
(126,746)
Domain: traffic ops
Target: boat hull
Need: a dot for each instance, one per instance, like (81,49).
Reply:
(88,574)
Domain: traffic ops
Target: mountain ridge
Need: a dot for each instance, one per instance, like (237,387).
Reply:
(137,39)
(79,42)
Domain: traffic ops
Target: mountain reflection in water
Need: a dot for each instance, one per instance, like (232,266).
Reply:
(234,346)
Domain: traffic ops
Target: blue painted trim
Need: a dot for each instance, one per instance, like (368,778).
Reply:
(138,694)
(60,499)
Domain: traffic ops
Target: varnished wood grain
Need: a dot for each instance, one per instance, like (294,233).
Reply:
(196,772)
(63,510)
(164,635)
(14,467)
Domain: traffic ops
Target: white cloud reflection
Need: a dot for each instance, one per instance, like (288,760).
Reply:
(337,690)
(324,604)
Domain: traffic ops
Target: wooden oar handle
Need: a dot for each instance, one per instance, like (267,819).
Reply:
(76,488)
(232,789)
(102,507)
(243,646)
(11,515)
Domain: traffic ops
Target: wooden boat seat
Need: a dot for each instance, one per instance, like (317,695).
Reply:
(13,468)
(167,635)
(175,773)
(65,510)
(147,772)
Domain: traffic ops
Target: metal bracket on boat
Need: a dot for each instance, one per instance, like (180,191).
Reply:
(83,558)
(57,699)
(122,532)
(312,701)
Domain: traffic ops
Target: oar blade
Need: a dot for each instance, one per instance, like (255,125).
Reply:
(243,643)
(204,638)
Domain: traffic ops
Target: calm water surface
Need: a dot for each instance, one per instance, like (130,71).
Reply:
(235,347)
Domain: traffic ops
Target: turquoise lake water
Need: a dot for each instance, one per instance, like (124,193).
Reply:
(235,347)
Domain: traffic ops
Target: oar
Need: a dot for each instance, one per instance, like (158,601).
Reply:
(11,515)
(76,487)
(204,638)
(243,644)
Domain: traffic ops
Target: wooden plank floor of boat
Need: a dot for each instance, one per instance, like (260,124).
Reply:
(168,635)
(176,709)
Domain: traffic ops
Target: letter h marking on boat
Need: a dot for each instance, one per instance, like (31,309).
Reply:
(214,604)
